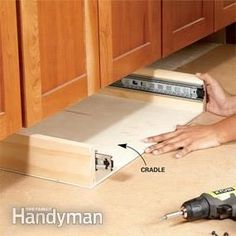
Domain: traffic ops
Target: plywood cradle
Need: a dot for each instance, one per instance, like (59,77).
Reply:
(64,147)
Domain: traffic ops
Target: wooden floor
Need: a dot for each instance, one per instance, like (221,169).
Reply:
(133,202)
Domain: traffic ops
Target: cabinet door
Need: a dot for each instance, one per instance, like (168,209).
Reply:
(185,22)
(10,103)
(130,36)
(225,13)
(55,56)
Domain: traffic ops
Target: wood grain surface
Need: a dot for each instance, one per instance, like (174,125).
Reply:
(48,158)
(92,46)
(30,61)
(10,100)
(124,45)
(185,22)
(225,13)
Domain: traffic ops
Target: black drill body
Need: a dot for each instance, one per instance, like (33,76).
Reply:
(211,205)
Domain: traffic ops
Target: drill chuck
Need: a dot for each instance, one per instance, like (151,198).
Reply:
(197,208)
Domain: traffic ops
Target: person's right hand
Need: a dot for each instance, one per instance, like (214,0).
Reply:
(218,100)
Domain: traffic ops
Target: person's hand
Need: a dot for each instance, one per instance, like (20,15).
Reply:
(218,100)
(185,139)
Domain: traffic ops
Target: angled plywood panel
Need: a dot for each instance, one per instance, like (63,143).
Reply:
(97,124)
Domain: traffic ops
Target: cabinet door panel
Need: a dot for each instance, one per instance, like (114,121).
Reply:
(129,36)
(60,43)
(184,22)
(10,101)
(54,56)
(225,13)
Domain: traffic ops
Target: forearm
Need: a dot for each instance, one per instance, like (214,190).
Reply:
(226,129)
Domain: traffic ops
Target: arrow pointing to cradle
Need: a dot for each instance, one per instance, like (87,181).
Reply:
(125,145)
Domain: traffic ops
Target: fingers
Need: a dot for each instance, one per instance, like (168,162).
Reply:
(169,145)
(205,77)
(171,141)
(165,136)
(156,150)
(186,138)
(186,150)
(179,127)
(162,137)
(209,107)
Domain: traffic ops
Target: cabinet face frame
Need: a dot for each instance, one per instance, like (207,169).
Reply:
(112,68)
(39,104)
(10,101)
(174,39)
(224,15)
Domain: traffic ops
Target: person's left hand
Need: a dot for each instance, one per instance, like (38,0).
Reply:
(185,139)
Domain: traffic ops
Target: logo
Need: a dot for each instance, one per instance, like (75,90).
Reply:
(51,216)
(225,190)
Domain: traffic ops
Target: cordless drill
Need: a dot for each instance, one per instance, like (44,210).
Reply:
(219,204)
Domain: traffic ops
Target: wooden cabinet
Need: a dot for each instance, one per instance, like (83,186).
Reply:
(10,106)
(58,45)
(70,49)
(130,36)
(184,22)
(225,13)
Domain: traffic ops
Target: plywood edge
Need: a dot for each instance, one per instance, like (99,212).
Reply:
(49,158)
(161,100)
(170,75)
